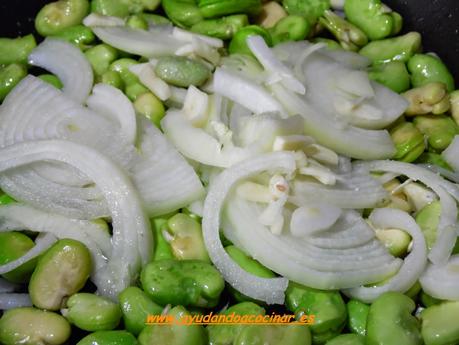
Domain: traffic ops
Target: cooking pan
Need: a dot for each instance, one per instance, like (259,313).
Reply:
(436,20)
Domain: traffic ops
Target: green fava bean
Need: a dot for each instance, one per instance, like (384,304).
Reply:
(187,283)
(155,19)
(109,338)
(219,8)
(121,66)
(176,333)
(30,326)
(347,339)
(136,307)
(414,291)
(59,15)
(137,21)
(349,36)
(310,9)
(52,79)
(163,249)
(60,272)
(113,79)
(186,238)
(373,17)
(426,69)
(80,35)
(10,76)
(390,321)
(393,75)
(357,316)
(435,159)
(238,45)
(290,28)
(430,98)
(248,264)
(116,8)
(428,219)
(16,50)
(5,199)
(400,48)
(409,142)
(101,57)
(133,91)
(439,324)
(183,13)
(92,313)
(428,301)
(182,71)
(223,28)
(439,130)
(331,44)
(150,106)
(294,334)
(13,245)
(454,99)
(327,307)
(226,334)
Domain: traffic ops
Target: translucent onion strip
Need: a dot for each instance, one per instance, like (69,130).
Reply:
(14,300)
(441,281)
(111,102)
(334,133)
(245,92)
(42,243)
(69,64)
(132,238)
(156,42)
(21,217)
(293,258)
(269,290)
(447,226)
(353,190)
(413,265)
(165,180)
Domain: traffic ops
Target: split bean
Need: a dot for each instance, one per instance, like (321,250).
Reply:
(16,50)
(10,76)
(223,28)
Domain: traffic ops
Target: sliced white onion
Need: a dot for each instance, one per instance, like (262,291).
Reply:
(14,300)
(441,281)
(68,63)
(413,265)
(268,290)
(35,110)
(290,51)
(451,154)
(307,264)
(335,134)
(165,180)
(307,220)
(266,57)
(132,241)
(156,42)
(198,145)
(21,217)
(27,186)
(245,92)
(187,36)
(95,19)
(111,102)
(42,243)
(147,77)
(353,190)
(442,248)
